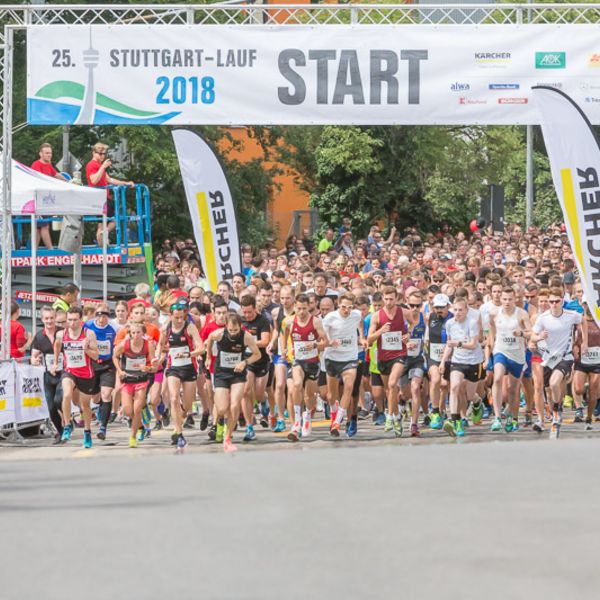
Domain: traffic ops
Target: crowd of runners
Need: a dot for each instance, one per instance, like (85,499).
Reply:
(417,333)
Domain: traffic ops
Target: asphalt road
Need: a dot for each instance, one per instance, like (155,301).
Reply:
(429,519)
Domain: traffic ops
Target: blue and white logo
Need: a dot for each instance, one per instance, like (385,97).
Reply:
(503,86)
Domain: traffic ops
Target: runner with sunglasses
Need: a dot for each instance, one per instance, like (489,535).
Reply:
(436,338)
(414,371)
(558,328)
(104,368)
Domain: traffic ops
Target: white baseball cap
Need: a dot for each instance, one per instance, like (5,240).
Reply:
(441,301)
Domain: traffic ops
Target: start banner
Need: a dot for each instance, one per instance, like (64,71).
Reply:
(302,75)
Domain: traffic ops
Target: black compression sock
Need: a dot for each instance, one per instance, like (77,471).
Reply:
(105,410)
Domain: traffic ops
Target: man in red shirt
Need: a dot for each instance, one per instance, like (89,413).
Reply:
(97,176)
(44,165)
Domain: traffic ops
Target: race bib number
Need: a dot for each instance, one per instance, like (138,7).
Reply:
(436,351)
(416,350)
(510,341)
(228,360)
(49,360)
(104,347)
(347,342)
(134,364)
(75,359)
(391,341)
(305,350)
(592,356)
(180,357)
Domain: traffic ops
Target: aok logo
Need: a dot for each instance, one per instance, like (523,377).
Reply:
(550,60)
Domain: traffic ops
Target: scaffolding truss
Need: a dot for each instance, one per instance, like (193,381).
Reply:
(14,17)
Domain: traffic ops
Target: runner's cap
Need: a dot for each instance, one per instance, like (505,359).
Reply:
(441,301)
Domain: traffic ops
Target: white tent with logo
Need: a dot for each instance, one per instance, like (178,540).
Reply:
(36,194)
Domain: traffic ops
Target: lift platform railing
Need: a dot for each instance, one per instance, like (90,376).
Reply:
(132,216)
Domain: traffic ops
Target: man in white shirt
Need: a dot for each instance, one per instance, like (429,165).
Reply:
(343,328)
(557,328)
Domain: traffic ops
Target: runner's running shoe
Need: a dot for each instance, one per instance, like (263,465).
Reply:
(250,434)
(181,442)
(335,430)
(146,416)
(538,426)
(579,415)
(389,423)
(459,428)
(465,422)
(436,421)
(294,434)
(204,421)
(212,433)
(528,420)
(66,434)
(508,426)
(352,427)
(449,428)
(398,426)
(588,425)
(496,424)
(379,419)
(158,425)
(306,425)
(140,434)
(113,417)
(280,426)
(363,414)
(166,417)
(272,421)
(220,434)
(189,422)
(515,425)
(87,439)
(568,401)
(228,445)
(101,435)
(426,420)
(414,430)
(477,414)
(132,442)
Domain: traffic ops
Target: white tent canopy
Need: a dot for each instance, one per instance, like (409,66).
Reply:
(34,193)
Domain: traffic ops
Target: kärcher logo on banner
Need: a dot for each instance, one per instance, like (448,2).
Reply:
(550,60)
(492,59)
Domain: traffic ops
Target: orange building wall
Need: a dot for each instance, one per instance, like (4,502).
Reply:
(287,196)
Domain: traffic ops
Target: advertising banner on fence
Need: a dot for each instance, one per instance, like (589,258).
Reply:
(300,74)
(7,393)
(30,402)
(211,207)
(575,163)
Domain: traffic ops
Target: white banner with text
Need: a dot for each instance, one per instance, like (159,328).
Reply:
(296,74)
